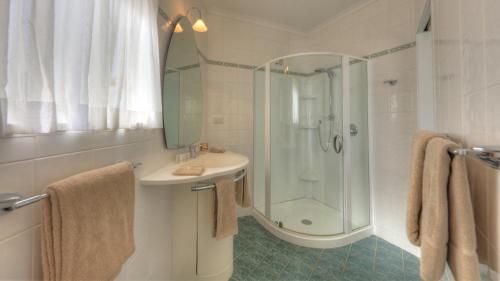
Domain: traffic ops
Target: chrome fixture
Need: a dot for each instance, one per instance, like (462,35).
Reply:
(353,130)
(306,222)
(488,154)
(331,116)
(12,201)
(338,144)
(205,186)
(391,82)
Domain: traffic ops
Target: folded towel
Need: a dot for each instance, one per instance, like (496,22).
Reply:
(242,193)
(87,225)
(226,223)
(447,229)
(189,170)
(414,207)
(216,150)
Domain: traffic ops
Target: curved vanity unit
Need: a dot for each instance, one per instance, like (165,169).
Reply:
(198,256)
(216,165)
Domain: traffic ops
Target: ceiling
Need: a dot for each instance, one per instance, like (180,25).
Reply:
(299,15)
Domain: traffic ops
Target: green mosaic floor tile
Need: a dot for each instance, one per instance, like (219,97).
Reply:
(260,256)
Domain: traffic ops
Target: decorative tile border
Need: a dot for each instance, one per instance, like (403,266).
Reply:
(392,50)
(164,15)
(252,67)
(187,67)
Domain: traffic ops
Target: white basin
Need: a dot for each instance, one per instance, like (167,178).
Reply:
(216,164)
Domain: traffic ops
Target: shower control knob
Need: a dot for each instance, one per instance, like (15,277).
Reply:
(354,130)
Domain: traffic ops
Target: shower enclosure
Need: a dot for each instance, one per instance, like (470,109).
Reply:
(311,149)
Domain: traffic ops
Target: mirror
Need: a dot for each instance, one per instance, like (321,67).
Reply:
(182,96)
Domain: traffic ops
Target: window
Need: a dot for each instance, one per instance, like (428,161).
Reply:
(78,65)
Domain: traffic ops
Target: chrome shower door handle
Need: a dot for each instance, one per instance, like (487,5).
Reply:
(337,143)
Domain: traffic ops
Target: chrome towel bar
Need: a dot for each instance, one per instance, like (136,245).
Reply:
(12,201)
(488,154)
(205,186)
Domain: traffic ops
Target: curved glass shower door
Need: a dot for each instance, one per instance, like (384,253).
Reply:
(306,144)
(311,152)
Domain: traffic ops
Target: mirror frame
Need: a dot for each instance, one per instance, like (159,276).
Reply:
(170,34)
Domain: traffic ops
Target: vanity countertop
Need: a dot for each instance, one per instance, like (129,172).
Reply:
(216,164)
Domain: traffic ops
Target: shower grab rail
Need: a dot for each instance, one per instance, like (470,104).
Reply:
(12,201)
(488,154)
(205,186)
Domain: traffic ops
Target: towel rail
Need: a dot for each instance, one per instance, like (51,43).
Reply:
(488,154)
(205,186)
(12,201)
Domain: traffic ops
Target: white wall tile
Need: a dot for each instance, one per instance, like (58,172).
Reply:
(16,257)
(394,122)
(16,178)
(60,143)
(16,149)
(52,169)
(37,255)
(71,153)
(466,55)
(492,41)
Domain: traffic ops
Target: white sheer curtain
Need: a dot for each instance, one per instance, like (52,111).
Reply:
(78,65)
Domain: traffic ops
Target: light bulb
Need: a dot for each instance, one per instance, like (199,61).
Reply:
(200,26)
(178,28)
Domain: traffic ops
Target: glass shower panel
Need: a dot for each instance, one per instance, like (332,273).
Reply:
(359,142)
(259,162)
(305,117)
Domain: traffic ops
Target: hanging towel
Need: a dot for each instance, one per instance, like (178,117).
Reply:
(414,207)
(242,192)
(226,223)
(447,228)
(87,225)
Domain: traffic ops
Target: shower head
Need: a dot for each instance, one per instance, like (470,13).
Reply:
(329,71)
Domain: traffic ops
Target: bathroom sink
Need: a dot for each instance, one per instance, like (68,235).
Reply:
(216,164)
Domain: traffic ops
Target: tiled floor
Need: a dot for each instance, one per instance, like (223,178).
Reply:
(260,256)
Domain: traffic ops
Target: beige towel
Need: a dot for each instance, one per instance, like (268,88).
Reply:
(418,147)
(447,229)
(226,223)
(189,170)
(87,225)
(242,193)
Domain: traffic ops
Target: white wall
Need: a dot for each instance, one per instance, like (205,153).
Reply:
(394,121)
(28,164)
(373,27)
(467,85)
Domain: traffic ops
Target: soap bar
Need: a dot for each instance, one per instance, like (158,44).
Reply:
(189,170)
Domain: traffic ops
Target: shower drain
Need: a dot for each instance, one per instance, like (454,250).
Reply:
(306,222)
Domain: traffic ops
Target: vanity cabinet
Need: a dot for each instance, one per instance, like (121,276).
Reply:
(196,254)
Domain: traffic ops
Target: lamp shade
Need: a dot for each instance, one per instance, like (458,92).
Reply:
(200,26)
